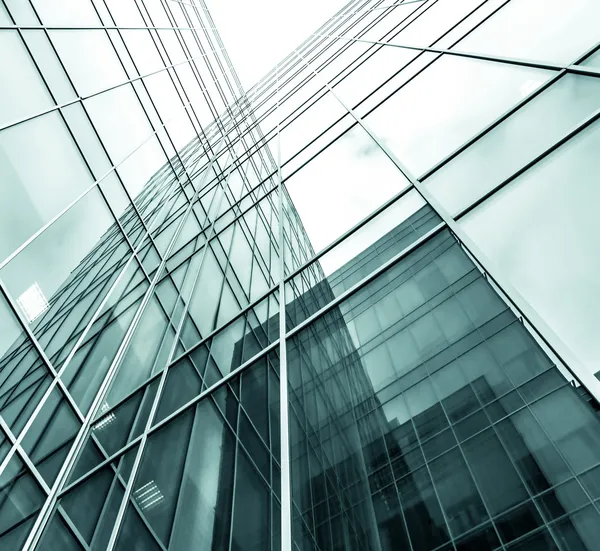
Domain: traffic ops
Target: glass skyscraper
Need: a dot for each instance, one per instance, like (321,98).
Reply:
(355,307)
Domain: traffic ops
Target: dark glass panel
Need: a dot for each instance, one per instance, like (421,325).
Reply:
(49,439)
(93,504)
(456,490)
(58,536)
(20,501)
(250,528)
(485,454)
(134,535)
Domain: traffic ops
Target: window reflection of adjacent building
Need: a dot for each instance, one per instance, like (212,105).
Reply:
(424,417)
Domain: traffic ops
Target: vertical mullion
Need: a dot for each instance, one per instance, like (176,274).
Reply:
(286,490)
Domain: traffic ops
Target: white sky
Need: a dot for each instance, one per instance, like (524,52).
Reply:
(259,33)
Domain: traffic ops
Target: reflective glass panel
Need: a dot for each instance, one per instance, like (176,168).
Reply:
(23,93)
(342,185)
(552,228)
(562,31)
(516,141)
(34,192)
(423,121)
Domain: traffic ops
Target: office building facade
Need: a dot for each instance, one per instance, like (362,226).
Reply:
(353,307)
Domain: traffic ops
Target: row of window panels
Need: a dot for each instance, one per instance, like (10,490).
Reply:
(283,70)
(429,280)
(308,291)
(394,336)
(306,387)
(135,170)
(165,480)
(339,56)
(122,55)
(548,208)
(256,218)
(264,228)
(219,354)
(523,454)
(325,111)
(37,207)
(26,384)
(405,454)
(167,484)
(91,267)
(127,14)
(571,448)
(26,381)
(206,306)
(110,326)
(58,337)
(360,165)
(430,20)
(116,429)
(254,260)
(342,63)
(56,323)
(231,346)
(563,90)
(150,50)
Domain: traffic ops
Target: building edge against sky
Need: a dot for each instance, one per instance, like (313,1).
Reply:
(159,278)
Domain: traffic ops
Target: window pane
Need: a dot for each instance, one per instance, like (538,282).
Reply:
(436,19)
(309,124)
(575,435)
(92,506)
(563,31)
(49,65)
(89,58)
(354,175)
(58,536)
(377,68)
(425,121)
(545,249)
(20,498)
(49,438)
(504,490)
(120,121)
(23,93)
(42,173)
(515,142)
(142,49)
(76,13)
(49,259)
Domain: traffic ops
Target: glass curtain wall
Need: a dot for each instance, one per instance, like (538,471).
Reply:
(309,316)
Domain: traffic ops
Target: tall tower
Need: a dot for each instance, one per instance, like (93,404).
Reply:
(351,308)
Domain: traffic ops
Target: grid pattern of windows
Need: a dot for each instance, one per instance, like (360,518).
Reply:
(297,317)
